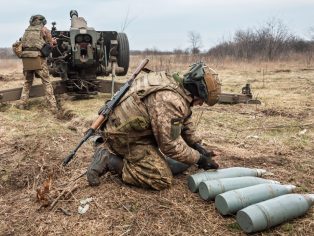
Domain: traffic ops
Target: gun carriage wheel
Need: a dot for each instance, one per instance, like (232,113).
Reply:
(123,53)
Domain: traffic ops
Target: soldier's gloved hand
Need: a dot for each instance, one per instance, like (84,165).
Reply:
(202,150)
(207,163)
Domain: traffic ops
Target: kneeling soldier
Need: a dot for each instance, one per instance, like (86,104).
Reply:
(149,136)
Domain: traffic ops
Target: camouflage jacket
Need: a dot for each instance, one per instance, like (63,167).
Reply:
(156,110)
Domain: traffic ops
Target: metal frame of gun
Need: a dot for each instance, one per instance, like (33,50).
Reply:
(245,97)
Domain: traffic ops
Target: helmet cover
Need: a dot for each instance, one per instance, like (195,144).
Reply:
(203,82)
(38,17)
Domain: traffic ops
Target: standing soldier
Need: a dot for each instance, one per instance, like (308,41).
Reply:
(36,44)
(149,136)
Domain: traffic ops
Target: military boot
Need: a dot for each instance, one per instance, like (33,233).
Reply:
(176,167)
(102,162)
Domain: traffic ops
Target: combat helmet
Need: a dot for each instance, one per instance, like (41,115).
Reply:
(203,82)
(38,17)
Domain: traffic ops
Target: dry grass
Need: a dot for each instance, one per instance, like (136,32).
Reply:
(277,136)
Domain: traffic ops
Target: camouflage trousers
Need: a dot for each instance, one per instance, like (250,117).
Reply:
(43,74)
(145,167)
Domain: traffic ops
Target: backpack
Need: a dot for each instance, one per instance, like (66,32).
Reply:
(17,48)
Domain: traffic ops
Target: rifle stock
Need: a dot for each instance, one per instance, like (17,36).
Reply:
(106,110)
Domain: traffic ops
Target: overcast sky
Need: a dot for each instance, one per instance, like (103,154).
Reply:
(161,24)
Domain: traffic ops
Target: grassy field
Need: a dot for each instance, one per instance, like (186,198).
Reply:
(276,135)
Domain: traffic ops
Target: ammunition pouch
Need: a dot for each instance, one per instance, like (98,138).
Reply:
(34,63)
(134,123)
(130,130)
(17,48)
(31,58)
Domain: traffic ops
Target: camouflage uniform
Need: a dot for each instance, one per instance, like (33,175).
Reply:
(35,36)
(152,120)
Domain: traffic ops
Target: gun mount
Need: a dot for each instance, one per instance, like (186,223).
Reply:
(82,54)
(245,97)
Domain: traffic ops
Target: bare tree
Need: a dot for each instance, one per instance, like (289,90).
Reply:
(269,41)
(244,44)
(195,41)
(276,36)
(127,20)
(310,50)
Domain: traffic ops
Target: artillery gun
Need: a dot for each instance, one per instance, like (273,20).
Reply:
(82,54)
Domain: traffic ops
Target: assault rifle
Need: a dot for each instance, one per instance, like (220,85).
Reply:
(106,110)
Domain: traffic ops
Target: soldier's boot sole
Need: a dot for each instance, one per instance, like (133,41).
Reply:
(102,162)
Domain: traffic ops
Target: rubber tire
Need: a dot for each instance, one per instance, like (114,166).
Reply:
(123,53)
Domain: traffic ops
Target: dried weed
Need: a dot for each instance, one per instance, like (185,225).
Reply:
(34,143)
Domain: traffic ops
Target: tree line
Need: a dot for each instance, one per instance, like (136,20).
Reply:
(271,41)
(268,42)
(6,53)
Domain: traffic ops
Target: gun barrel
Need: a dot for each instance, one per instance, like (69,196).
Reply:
(73,13)
(88,134)
(68,159)
(76,21)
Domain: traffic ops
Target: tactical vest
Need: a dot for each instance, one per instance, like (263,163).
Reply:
(130,120)
(32,38)
(153,82)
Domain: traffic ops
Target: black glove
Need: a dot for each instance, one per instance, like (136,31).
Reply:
(207,163)
(203,151)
